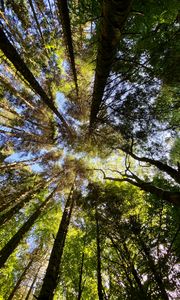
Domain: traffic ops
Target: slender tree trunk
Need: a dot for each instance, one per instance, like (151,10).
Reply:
(8,249)
(80,288)
(66,26)
(99,277)
(153,268)
(125,262)
(175,174)
(11,53)
(143,294)
(30,291)
(17,94)
(52,273)
(15,209)
(36,19)
(20,279)
(169,196)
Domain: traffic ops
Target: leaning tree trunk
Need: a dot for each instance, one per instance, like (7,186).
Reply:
(30,291)
(113,17)
(8,249)
(175,174)
(153,268)
(27,197)
(143,295)
(11,53)
(66,26)
(99,277)
(171,197)
(20,280)
(52,273)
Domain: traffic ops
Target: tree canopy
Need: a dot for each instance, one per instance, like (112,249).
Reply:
(89,150)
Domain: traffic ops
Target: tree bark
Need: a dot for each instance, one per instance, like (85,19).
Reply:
(153,268)
(8,249)
(169,196)
(175,174)
(15,209)
(114,16)
(11,53)
(80,288)
(66,26)
(99,277)
(20,280)
(32,284)
(126,257)
(52,273)
(143,294)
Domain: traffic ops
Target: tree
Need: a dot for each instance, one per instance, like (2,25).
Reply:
(15,240)
(89,90)
(52,273)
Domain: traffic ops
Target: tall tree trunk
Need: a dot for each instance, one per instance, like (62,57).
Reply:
(153,268)
(52,273)
(11,53)
(16,93)
(15,209)
(143,294)
(8,249)
(66,26)
(36,20)
(125,258)
(99,277)
(80,287)
(20,279)
(114,16)
(30,291)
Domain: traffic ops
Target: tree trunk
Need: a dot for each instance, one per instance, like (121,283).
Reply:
(80,288)
(114,16)
(36,20)
(99,278)
(175,174)
(66,26)
(52,273)
(8,249)
(20,280)
(169,196)
(126,260)
(153,268)
(11,53)
(15,209)
(30,291)
(143,294)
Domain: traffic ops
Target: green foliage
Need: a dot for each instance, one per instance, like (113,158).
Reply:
(139,114)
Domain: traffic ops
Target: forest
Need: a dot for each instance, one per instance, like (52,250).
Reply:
(89,150)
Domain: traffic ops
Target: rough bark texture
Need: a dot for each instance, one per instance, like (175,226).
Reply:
(52,273)
(8,249)
(11,53)
(99,278)
(66,26)
(20,280)
(114,16)
(30,291)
